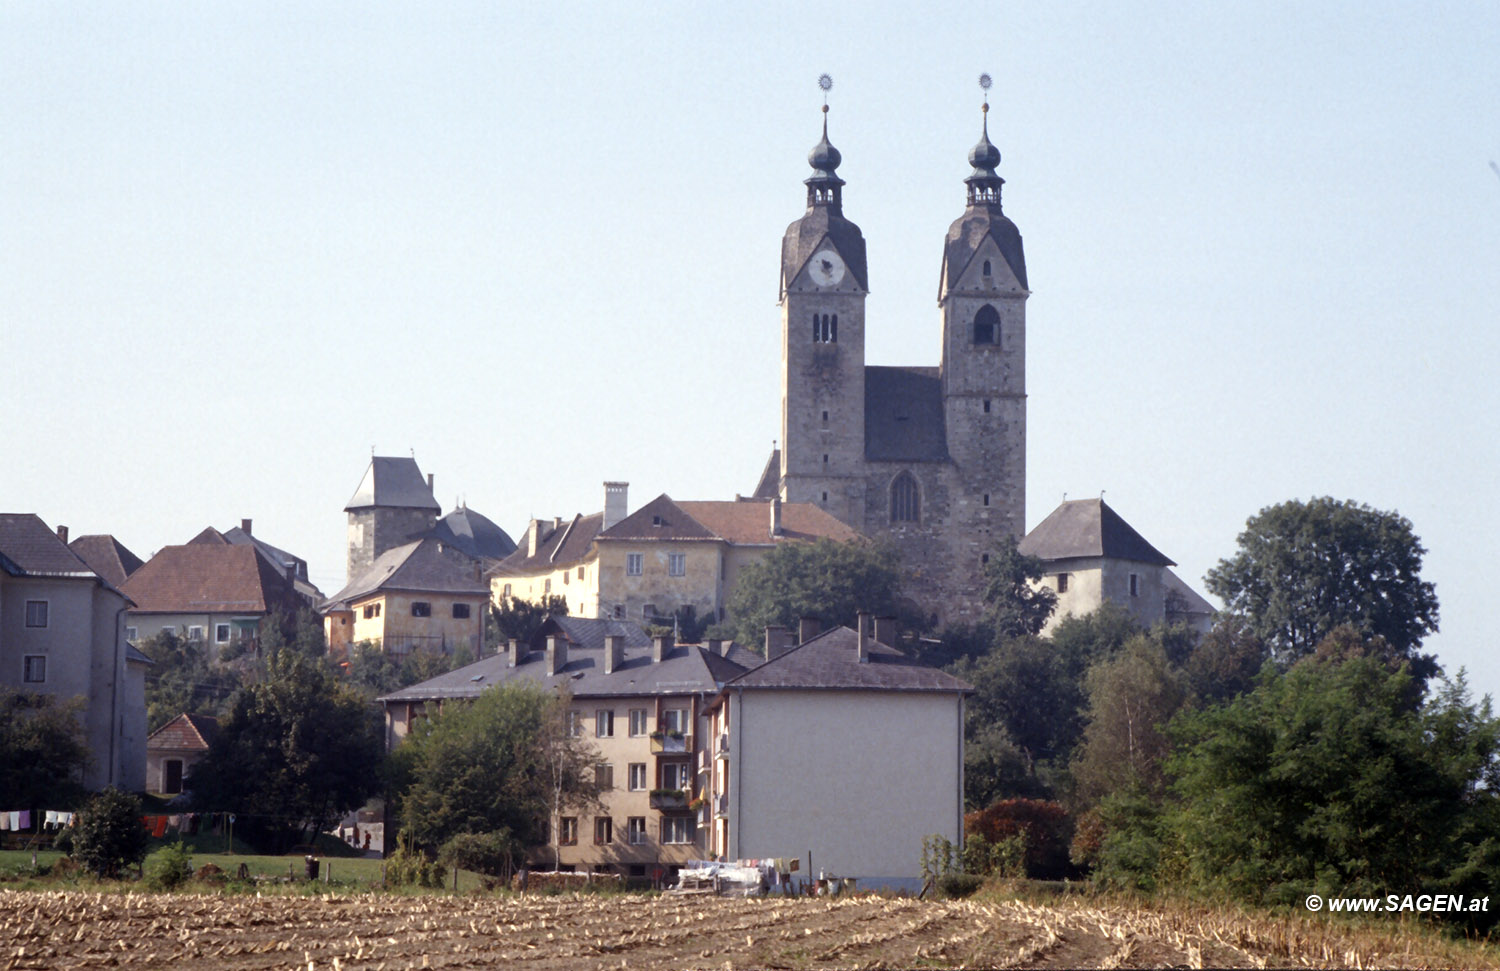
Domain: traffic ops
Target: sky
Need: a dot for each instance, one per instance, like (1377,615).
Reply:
(536,246)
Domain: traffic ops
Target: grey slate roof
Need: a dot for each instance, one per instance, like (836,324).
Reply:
(393,481)
(904,415)
(687,669)
(769,486)
(803,236)
(425,566)
(659,519)
(830,662)
(569,543)
(107,557)
(474,533)
(1088,528)
(967,234)
(28,547)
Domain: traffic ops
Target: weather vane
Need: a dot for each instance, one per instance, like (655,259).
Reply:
(984,83)
(825,81)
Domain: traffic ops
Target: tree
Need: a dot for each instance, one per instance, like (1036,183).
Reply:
(1016,604)
(503,763)
(1132,696)
(1305,568)
(185,679)
(294,753)
(826,579)
(107,833)
(43,750)
(515,617)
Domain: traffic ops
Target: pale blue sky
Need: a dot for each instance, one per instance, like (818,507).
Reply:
(242,243)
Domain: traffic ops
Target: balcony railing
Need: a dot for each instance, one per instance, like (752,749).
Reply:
(721,806)
(669,799)
(664,744)
(721,747)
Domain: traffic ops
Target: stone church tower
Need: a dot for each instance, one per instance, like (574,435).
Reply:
(932,458)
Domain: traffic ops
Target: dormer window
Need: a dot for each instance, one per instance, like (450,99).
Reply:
(987,325)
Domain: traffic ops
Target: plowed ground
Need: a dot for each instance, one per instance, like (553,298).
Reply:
(56,930)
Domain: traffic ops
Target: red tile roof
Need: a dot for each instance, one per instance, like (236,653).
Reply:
(748,522)
(107,556)
(207,578)
(185,732)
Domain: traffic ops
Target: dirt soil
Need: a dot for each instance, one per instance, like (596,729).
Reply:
(57,930)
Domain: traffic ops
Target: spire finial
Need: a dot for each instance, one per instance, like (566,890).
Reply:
(984,184)
(823,186)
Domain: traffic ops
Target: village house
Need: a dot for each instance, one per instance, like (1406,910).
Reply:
(62,633)
(639,702)
(175,748)
(213,592)
(294,568)
(840,748)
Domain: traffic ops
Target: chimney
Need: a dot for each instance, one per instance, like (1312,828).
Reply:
(660,645)
(614,652)
(716,646)
(533,536)
(615,495)
(775,516)
(557,522)
(885,631)
(62,534)
(557,654)
(778,641)
(863,622)
(245,526)
(807,629)
(514,647)
(429,483)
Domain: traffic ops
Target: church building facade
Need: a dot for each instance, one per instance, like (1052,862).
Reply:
(932,458)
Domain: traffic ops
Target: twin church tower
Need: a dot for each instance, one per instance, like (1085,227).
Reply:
(932,458)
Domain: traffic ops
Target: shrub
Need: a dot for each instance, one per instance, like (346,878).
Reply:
(492,854)
(957,885)
(168,867)
(108,833)
(1045,826)
(408,867)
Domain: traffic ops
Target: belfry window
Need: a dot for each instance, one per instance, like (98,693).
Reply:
(906,502)
(987,268)
(987,325)
(825,328)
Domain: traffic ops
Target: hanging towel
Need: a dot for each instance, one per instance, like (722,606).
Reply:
(51,821)
(4,820)
(15,819)
(174,824)
(158,826)
(25,819)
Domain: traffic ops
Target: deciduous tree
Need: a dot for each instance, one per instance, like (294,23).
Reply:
(42,749)
(829,580)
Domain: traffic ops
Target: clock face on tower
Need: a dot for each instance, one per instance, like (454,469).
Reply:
(826,268)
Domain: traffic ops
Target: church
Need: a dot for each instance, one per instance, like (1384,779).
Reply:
(931,458)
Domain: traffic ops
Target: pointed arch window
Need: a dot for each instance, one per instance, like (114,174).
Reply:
(906,500)
(825,328)
(987,325)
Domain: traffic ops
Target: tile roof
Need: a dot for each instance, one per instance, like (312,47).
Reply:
(659,519)
(107,557)
(29,548)
(569,543)
(208,578)
(185,732)
(687,669)
(425,566)
(473,533)
(393,481)
(830,662)
(904,419)
(1088,528)
(748,522)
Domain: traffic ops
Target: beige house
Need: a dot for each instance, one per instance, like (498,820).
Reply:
(1092,555)
(62,633)
(173,749)
(640,704)
(843,748)
(664,557)
(425,595)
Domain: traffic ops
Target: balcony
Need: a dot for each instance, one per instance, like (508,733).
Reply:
(665,743)
(721,806)
(721,747)
(669,800)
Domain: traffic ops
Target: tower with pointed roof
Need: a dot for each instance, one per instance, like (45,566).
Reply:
(932,458)
(392,506)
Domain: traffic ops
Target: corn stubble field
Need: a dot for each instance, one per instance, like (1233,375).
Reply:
(71,929)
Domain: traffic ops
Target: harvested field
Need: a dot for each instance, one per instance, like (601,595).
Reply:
(53,930)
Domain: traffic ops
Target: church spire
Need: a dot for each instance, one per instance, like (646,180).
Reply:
(984,184)
(824,187)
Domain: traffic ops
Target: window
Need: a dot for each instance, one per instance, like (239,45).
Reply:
(648,611)
(580,573)
(221,633)
(604,723)
(604,775)
(130,634)
(825,416)
(637,780)
(34,668)
(421,608)
(675,720)
(987,268)
(987,325)
(195,632)
(635,827)
(506,590)
(604,830)
(372,610)
(906,504)
(547,585)
(36,613)
(575,723)
(825,328)
(678,829)
(1135,584)
(986,498)
(677,564)
(638,722)
(825,458)
(567,830)
(676,775)
(984,559)
(986,406)
(825,497)
(633,564)
(1062,583)
(460,611)
(619,611)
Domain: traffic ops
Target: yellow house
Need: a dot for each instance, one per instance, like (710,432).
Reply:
(425,595)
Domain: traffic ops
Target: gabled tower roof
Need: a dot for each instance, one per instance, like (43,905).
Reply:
(982,218)
(824,219)
(1088,529)
(395,482)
